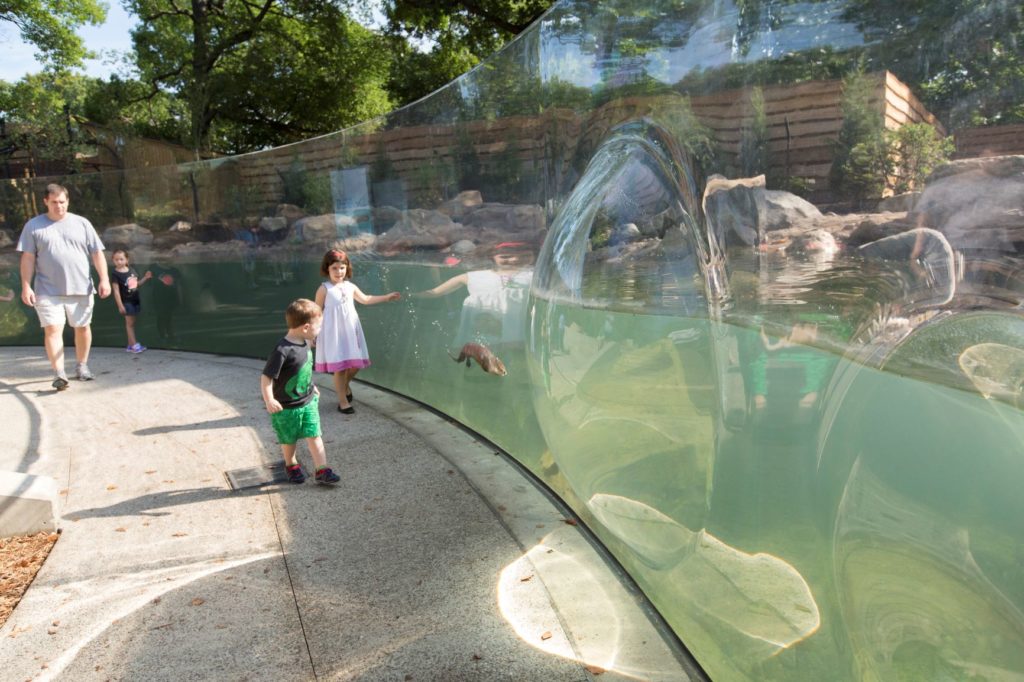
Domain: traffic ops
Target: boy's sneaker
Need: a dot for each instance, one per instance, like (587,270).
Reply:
(136,348)
(60,383)
(295,474)
(326,476)
(83,373)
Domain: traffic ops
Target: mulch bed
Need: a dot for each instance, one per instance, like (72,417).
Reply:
(21,557)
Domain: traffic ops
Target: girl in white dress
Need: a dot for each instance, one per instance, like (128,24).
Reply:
(341,346)
(494,312)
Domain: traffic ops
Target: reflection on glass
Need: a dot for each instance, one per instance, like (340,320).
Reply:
(745,280)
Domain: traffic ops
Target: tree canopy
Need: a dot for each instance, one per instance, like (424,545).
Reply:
(50,26)
(264,73)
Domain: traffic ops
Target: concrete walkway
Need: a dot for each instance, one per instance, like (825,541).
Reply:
(434,559)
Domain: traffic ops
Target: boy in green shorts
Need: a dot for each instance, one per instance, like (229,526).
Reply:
(290,395)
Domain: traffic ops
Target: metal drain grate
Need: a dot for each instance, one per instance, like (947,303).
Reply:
(255,477)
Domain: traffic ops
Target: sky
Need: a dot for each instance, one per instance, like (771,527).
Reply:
(19,58)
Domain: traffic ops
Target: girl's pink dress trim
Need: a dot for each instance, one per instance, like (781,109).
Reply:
(339,366)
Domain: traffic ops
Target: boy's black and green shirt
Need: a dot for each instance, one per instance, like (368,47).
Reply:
(290,367)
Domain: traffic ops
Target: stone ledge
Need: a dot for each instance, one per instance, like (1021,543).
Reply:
(28,504)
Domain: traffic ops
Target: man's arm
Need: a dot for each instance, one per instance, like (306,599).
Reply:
(28,269)
(100,262)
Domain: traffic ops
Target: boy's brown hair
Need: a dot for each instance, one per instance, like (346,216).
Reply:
(336,256)
(300,312)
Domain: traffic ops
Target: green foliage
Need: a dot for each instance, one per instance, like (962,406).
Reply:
(39,116)
(316,70)
(50,25)
(130,107)
(917,149)
(677,116)
(964,59)
(862,130)
(479,26)
(416,74)
(753,157)
(307,190)
(897,160)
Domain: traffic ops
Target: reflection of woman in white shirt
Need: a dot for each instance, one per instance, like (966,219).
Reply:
(495,309)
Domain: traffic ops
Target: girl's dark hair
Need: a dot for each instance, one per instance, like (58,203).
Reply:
(117,251)
(336,256)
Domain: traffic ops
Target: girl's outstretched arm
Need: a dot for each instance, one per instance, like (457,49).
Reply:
(321,296)
(446,287)
(365,299)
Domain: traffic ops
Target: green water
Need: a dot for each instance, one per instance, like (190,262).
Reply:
(872,532)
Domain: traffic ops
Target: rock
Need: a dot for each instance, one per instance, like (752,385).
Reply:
(463,247)
(317,228)
(290,212)
(169,240)
(421,228)
(976,203)
(211,232)
(899,202)
(126,236)
(5,239)
(735,209)
(384,217)
(461,204)
(360,242)
(783,209)
(868,231)
(273,224)
(512,217)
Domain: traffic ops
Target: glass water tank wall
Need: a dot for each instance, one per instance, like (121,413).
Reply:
(739,280)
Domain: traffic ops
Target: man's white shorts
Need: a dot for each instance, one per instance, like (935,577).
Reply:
(53,310)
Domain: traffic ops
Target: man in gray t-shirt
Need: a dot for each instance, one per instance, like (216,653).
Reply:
(56,248)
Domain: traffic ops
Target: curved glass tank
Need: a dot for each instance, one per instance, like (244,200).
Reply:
(740,281)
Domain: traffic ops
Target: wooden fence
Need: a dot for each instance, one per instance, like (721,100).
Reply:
(803,121)
(989,141)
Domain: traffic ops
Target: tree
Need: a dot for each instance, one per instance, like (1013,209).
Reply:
(855,172)
(320,74)
(480,26)
(50,26)
(39,116)
(460,35)
(316,70)
(963,58)
(753,156)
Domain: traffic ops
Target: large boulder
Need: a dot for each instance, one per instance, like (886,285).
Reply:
(422,229)
(784,209)
(976,203)
(735,209)
(511,217)
(290,212)
(5,239)
(462,204)
(126,237)
(274,224)
(316,228)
